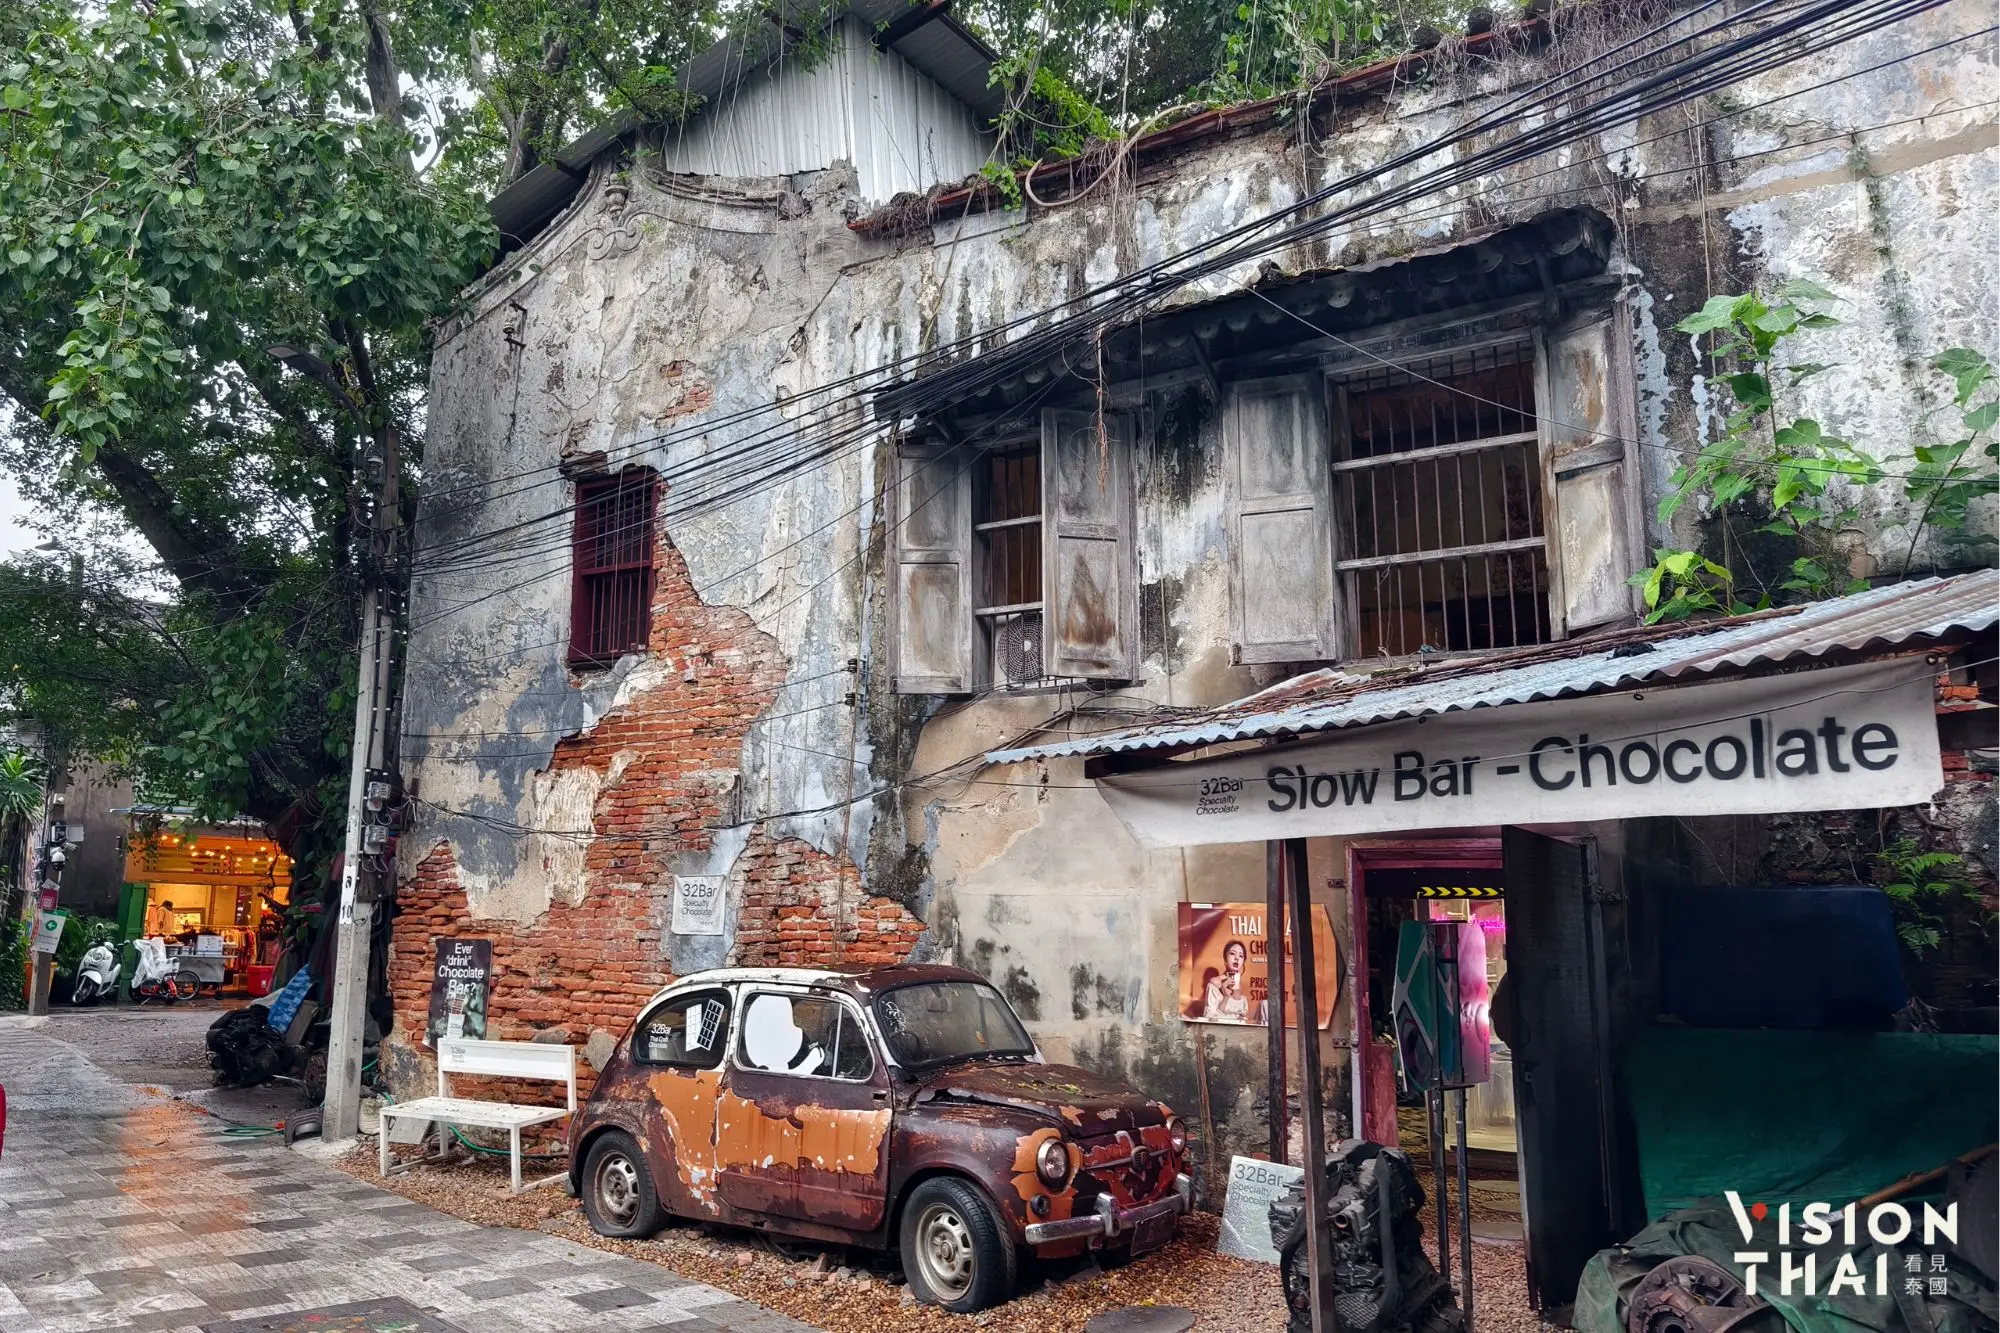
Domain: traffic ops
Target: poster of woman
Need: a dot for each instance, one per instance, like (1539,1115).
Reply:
(1225,965)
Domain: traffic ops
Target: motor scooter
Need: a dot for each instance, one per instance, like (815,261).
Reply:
(156,976)
(96,975)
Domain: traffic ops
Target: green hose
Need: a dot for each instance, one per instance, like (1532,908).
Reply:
(253,1131)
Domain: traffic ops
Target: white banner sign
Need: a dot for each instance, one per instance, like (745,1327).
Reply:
(697,905)
(1843,738)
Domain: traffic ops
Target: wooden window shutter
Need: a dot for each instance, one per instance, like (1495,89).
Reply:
(1282,597)
(932,589)
(1090,585)
(1589,432)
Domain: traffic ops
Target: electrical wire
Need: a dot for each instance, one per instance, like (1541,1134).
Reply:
(1102,303)
(977,760)
(716,499)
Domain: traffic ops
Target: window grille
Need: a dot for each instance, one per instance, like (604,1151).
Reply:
(612,552)
(1007,533)
(1440,505)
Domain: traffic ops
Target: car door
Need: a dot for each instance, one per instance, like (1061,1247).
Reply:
(678,1050)
(802,1128)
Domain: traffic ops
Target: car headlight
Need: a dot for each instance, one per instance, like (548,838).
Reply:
(1176,1134)
(1052,1163)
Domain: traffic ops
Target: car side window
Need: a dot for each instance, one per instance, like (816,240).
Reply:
(690,1032)
(807,1035)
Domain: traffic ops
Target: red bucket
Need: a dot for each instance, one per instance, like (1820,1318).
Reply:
(259,979)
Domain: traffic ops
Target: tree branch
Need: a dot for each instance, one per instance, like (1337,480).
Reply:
(385,79)
(199,560)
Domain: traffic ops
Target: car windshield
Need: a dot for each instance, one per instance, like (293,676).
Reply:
(937,1022)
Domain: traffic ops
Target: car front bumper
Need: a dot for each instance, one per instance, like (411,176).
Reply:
(1107,1220)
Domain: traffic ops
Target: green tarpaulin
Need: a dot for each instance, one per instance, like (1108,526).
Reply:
(1965,1306)
(1800,1116)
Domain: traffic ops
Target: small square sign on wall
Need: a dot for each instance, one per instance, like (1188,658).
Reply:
(698,904)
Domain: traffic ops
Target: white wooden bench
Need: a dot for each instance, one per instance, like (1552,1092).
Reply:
(489,1059)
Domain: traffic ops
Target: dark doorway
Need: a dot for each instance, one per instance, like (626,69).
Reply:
(1554,1019)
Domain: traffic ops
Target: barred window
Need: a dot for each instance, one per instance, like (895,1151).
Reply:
(1007,546)
(1439,505)
(612,556)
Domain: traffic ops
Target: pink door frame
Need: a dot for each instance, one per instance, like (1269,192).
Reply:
(1471,853)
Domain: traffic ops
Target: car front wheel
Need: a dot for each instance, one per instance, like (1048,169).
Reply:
(956,1253)
(618,1194)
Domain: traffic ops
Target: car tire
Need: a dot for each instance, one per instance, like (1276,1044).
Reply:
(957,1253)
(618,1194)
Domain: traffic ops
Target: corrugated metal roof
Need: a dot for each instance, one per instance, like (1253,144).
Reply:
(900,128)
(940,48)
(1906,615)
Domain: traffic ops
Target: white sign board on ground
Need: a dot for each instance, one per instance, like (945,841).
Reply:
(697,905)
(1844,738)
(1246,1208)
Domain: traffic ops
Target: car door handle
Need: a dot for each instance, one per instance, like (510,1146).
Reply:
(879,1095)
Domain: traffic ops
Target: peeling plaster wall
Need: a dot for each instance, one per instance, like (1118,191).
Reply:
(655,306)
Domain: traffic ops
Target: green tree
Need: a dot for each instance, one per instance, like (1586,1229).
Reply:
(184,185)
(20,802)
(1134,58)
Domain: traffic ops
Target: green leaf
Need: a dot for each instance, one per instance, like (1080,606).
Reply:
(1783,319)
(1801,434)
(1714,314)
(1792,482)
(1804,289)
(1967,368)
(1982,417)
(1751,389)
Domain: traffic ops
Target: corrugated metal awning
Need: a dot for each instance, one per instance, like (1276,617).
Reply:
(1908,615)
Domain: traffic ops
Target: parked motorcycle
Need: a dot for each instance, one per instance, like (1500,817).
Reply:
(157,976)
(96,975)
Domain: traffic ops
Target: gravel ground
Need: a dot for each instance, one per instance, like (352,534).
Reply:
(851,1291)
(854,1291)
(1499,1277)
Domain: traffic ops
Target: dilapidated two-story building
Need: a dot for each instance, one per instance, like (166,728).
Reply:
(791,489)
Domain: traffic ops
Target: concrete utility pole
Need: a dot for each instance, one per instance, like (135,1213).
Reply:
(55,839)
(368,779)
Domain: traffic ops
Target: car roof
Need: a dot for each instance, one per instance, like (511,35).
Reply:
(858,980)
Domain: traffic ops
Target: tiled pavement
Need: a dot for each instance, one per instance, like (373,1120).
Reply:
(120,1209)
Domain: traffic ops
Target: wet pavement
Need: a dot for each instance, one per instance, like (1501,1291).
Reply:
(123,1207)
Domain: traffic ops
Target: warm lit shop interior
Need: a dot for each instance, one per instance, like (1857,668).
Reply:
(1459,880)
(215,891)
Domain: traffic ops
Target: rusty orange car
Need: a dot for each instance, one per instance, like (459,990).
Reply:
(904,1107)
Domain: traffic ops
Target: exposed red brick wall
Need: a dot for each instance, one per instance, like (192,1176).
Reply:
(674,748)
(801,907)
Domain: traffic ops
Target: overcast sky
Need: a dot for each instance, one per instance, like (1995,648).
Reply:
(15,534)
